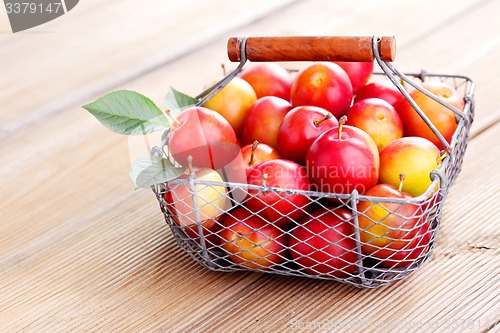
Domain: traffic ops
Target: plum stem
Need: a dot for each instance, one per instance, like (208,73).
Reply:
(172,117)
(190,163)
(252,153)
(401,181)
(224,72)
(318,122)
(440,159)
(264,179)
(239,235)
(342,121)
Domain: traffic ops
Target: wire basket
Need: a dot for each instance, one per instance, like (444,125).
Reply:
(335,254)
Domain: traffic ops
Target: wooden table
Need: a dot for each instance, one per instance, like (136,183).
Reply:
(81,251)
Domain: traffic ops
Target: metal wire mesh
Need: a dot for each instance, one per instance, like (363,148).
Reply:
(327,236)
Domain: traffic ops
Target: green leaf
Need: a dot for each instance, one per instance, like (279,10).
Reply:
(147,171)
(128,112)
(175,101)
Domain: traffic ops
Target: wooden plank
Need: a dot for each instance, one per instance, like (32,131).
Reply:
(84,65)
(96,256)
(100,258)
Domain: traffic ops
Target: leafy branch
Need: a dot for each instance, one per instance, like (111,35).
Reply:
(131,113)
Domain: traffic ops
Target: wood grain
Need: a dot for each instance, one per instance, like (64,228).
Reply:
(161,32)
(82,251)
(310,48)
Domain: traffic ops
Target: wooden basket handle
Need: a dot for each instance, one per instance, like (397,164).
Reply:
(298,48)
